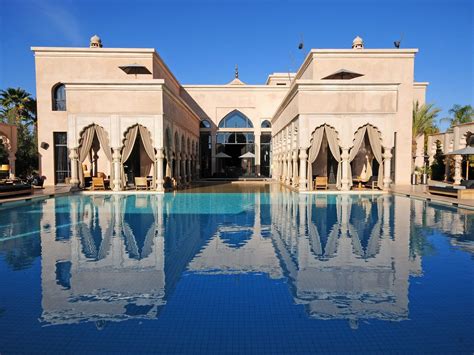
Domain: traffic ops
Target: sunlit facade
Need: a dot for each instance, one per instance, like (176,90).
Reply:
(344,115)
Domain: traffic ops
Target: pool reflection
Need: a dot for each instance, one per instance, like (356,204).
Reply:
(113,258)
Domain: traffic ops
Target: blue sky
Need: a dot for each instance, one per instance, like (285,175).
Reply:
(201,41)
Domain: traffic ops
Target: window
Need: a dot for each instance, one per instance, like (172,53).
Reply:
(266,124)
(61,158)
(205,124)
(235,119)
(59,98)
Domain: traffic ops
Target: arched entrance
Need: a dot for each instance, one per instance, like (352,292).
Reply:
(138,156)
(95,155)
(365,157)
(235,150)
(324,156)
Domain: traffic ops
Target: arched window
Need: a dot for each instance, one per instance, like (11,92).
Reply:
(205,124)
(59,98)
(235,119)
(266,124)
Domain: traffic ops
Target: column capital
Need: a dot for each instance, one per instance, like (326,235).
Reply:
(303,154)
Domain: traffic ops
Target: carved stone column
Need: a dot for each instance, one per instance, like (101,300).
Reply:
(387,165)
(457,169)
(159,171)
(302,180)
(288,169)
(345,179)
(295,168)
(178,168)
(190,173)
(117,166)
(74,157)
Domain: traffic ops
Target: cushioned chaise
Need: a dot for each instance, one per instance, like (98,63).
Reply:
(9,190)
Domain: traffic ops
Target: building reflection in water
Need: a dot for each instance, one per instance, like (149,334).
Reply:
(112,258)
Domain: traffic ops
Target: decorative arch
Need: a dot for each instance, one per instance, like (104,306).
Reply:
(371,135)
(235,119)
(58,97)
(325,138)
(266,124)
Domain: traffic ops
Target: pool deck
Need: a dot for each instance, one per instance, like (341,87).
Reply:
(416,191)
(38,194)
(421,192)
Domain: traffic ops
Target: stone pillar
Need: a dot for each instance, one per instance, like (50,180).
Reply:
(184,174)
(177,164)
(387,163)
(295,168)
(283,168)
(257,153)
(288,169)
(213,152)
(159,171)
(11,163)
(345,179)
(303,182)
(74,157)
(190,174)
(117,166)
(457,169)
(95,157)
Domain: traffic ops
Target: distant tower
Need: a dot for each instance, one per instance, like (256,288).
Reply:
(236,71)
(357,43)
(95,42)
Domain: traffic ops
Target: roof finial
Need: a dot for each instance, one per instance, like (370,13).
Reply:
(237,71)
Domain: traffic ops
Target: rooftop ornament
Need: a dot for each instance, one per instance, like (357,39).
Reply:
(236,80)
(357,43)
(95,42)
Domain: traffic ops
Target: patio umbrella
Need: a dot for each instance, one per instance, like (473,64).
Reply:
(343,74)
(247,155)
(222,155)
(469,150)
(135,69)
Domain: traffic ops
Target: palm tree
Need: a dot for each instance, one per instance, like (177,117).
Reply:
(18,107)
(424,117)
(459,115)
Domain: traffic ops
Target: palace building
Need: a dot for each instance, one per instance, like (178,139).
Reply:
(120,113)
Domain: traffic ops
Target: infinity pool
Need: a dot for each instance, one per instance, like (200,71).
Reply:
(247,272)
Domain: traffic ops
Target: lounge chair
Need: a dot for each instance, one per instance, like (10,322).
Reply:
(98,183)
(457,191)
(141,183)
(15,189)
(321,182)
(372,183)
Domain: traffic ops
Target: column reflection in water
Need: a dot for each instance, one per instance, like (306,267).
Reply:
(111,267)
(112,258)
(350,258)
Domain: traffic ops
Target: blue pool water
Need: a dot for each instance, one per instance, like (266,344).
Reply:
(250,272)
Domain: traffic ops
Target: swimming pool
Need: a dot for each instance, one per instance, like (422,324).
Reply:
(248,272)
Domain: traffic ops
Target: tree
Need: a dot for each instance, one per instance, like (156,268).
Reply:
(19,108)
(460,114)
(424,117)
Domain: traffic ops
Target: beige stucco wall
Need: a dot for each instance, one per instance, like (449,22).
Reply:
(98,91)
(96,87)
(383,96)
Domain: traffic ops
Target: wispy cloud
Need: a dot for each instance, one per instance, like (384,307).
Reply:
(63,20)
